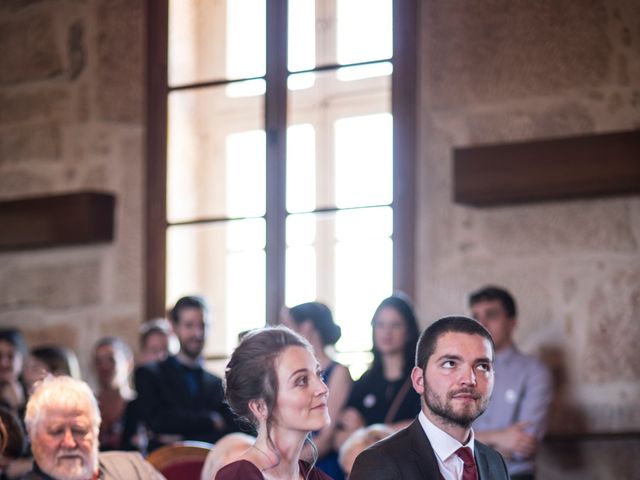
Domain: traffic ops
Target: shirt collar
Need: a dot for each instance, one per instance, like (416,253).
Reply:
(192,368)
(444,445)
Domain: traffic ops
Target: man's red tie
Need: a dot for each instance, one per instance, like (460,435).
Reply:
(469,472)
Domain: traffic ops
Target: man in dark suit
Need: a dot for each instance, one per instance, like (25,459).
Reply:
(177,398)
(454,377)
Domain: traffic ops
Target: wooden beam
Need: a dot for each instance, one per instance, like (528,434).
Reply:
(157,15)
(577,167)
(40,222)
(404,103)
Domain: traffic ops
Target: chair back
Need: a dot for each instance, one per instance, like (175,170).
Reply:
(181,460)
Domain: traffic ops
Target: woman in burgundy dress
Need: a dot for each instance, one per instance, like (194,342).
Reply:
(273,380)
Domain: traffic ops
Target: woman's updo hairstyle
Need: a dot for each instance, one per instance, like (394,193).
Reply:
(322,320)
(251,373)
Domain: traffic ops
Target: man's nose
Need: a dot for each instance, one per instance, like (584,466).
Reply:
(68,441)
(468,376)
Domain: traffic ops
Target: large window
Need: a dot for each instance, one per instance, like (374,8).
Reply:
(281,159)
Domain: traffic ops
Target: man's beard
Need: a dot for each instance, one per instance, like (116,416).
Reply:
(192,349)
(444,409)
(75,469)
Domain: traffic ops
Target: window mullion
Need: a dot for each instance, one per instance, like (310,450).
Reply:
(404,110)
(276,127)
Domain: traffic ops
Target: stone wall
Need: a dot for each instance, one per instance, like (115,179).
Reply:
(71,119)
(509,70)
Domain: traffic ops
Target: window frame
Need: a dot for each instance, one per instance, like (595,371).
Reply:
(404,111)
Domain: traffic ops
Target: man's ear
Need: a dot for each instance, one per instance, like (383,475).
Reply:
(417,378)
(259,409)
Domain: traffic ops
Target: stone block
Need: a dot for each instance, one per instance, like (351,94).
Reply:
(51,286)
(558,120)
(130,225)
(36,142)
(120,60)
(29,50)
(23,183)
(613,329)
(40,105)
(16,5)
(76,49)
(475,52)
(123,326)
(560,227)
(52,334)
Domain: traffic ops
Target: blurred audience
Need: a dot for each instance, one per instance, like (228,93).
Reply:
(113,364)
(49,359)
(225,451)
(157,341)
(12,354)
(314,321)
(274,382)
(63,421)
(359,440)
(516,419)
(384,393)
(177,398)
(14,460)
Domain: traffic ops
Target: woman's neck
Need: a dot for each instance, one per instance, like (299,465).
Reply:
(279,458)
(393,365)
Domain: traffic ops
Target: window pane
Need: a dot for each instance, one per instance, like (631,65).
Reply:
(364,160)
(215,155)
(360,40)
(216,40)
(345,260)
(351,143)
(224,261)
(301,168)
(302,35)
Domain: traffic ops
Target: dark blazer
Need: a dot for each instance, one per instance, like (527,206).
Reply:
(168,409)
(408,455)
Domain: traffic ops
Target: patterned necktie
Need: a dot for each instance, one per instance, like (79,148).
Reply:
(469,472)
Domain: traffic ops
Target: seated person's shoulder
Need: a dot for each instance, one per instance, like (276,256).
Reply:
(117,464)
(240,470)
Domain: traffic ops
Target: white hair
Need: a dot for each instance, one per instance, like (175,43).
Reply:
(61,392)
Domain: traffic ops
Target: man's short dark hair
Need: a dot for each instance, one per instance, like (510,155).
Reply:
(429,338)
(491,293)
(191,301)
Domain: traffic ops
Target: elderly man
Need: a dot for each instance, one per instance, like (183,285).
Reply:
(63,421)
(454,377)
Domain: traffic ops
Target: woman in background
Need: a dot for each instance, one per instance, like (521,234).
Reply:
(49,359)
(313,320)
(273,380)
(113,364)
(12,354)
(384,393)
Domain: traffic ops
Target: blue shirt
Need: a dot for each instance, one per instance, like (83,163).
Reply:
(522,391)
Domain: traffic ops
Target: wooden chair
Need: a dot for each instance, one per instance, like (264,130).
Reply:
(181,460)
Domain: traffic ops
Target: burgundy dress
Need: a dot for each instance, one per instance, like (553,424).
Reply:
(245,470)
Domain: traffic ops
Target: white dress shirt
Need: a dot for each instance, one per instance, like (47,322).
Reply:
(445,446)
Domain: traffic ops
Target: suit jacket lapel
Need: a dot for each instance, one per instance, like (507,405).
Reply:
(482,463)
(425,457)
